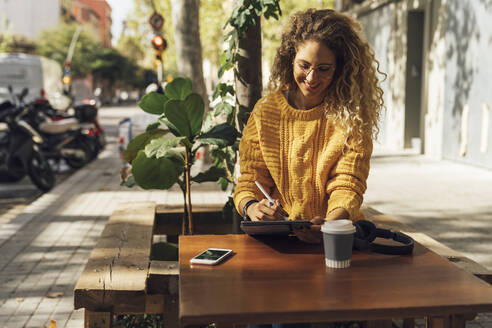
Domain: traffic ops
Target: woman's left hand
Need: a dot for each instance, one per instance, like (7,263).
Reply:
(312,234)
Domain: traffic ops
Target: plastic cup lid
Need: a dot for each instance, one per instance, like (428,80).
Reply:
(338,227)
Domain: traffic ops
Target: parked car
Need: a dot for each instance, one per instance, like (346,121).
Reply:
(41,76)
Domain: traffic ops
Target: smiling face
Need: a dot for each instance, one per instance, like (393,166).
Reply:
(314,67)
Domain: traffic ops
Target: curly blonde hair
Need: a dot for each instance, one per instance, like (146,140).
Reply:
(354,98)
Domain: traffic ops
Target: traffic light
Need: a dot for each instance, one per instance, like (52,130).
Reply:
(66,80)
(159,43)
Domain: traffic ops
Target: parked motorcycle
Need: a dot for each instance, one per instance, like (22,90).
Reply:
(20,152)
(86,115)
(62,139)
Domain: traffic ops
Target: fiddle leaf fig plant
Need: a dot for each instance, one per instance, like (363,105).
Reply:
(158,160)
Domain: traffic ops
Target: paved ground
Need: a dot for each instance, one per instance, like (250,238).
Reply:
(451,202)
(45,247)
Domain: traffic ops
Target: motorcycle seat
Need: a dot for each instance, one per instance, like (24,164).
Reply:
(56,127)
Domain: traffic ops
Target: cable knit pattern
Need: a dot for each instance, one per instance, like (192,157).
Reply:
(300,157)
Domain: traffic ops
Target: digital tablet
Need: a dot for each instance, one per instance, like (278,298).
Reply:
(272,227)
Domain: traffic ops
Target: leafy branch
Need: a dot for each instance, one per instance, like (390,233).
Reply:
(224,96)
(158,160)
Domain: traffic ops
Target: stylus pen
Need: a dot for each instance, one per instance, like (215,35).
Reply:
(264,193)
(267,195)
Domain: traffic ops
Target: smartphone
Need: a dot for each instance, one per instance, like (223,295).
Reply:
(211,256)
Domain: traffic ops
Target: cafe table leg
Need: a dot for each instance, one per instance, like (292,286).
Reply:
(408,323)
(451,321)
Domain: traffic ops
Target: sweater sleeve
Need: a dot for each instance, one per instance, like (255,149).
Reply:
(347,182)
(252,166)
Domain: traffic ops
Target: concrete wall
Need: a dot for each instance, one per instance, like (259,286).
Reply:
(435,78)
(455,118)
(28,17)
(378,29)
(468,95)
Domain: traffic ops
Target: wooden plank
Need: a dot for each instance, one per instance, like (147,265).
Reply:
(154,304)
(174,208)
(164,279)
(171,311)
(97,319)
(114,278)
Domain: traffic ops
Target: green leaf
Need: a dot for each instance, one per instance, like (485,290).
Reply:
(153,103)
(223,107)
(159,147)
(186,115)
(139,142)
(222,69)
(208,123)
(212,174)
(223,182)
(178,89)
(221,135)
(152,126)
(177,155)
(222,89)
(242,19)
(227,36)
(155,173)
(130,182)
(169,125)
(223,58)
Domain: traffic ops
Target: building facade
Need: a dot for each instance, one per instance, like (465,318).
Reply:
(436,57)
(27,18)
(98,13)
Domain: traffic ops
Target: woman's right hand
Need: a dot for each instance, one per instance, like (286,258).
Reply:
(263,211)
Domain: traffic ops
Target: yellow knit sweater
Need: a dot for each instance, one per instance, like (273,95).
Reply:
(300,157)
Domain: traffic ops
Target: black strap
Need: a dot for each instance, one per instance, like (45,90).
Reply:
(245,208)
(405,248)
(366,232)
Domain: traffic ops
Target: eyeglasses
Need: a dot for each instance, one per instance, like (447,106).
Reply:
(323,70)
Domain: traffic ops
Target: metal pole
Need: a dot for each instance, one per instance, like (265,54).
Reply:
(71,49)
(159,72)
(153,5)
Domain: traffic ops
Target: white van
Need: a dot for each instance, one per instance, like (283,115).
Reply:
(38,74)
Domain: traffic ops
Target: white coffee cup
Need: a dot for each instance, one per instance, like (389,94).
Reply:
(338,239)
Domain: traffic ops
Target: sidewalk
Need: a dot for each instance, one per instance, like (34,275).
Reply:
(449,201)
(44,249)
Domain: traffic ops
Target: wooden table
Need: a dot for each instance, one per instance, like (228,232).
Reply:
(283,280)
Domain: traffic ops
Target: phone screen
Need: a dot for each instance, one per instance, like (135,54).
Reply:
(211,254)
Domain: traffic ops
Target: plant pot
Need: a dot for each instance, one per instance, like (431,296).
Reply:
(207,219)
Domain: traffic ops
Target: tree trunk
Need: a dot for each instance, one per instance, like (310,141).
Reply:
(185,15)
(249,77)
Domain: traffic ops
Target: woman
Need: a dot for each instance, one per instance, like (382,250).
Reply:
(309,141)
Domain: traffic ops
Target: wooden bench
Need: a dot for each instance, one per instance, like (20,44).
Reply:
(121,278)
